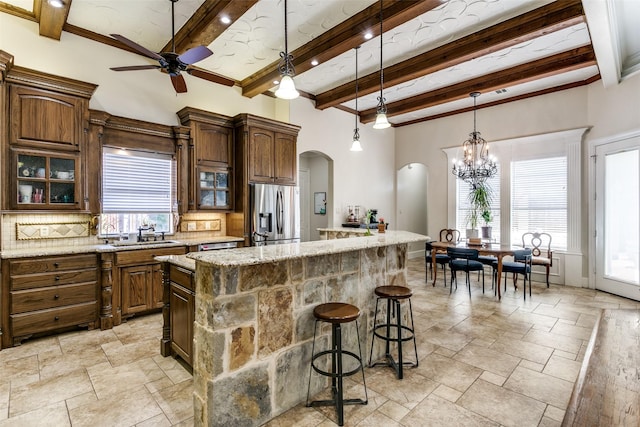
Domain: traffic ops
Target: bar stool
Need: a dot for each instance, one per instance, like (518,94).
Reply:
(393,295)
(336,313)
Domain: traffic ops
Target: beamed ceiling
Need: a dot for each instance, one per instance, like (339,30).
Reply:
(435,52)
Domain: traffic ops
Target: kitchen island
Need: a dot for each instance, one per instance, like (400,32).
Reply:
(253,326)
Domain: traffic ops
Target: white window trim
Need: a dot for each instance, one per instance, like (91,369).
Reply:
(564,143)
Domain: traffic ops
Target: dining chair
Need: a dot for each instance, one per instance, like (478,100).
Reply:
(463,259)
(521,264)
(540,244)
(449,235)
(441,259)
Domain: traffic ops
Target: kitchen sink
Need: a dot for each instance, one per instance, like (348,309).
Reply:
(149,243)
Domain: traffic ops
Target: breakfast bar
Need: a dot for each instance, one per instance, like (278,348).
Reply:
(253,326)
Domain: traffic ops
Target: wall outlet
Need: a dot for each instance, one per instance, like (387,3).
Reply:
(191,226)
(44,231)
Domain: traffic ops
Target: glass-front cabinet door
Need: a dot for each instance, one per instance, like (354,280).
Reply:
(214,189)
(45,181)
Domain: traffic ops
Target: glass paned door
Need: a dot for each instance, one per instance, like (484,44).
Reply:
(618,218)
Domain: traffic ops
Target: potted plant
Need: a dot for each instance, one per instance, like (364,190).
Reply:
(486,229)
(480,201)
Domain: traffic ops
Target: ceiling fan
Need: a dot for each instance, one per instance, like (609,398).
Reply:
(172,63)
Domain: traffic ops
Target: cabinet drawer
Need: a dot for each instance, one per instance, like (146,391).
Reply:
(57,296)
(51,264)
(182,277)
(146,256)
(53,279)
(53,318)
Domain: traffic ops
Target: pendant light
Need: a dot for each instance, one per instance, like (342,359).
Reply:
(381,111)
(287,89)
(355,145)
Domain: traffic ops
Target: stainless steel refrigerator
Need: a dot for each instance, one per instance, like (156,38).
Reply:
(275,214)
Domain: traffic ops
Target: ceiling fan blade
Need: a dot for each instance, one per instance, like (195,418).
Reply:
(212,77)
(135,67)
(195,54)
(179,84)
(136,46)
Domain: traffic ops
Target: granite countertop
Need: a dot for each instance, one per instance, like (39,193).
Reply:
(263,254)
(179,260)
(345,229)
(99,248)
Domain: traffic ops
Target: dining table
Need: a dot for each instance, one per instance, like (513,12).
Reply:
(486,248)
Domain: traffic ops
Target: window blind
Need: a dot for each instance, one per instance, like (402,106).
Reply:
(464,208)
(539,199)
(136,182)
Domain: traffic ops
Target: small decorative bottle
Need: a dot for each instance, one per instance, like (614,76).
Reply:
(381,226)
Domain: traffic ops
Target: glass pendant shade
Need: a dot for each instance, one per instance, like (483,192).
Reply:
(381,121)
(355,145)
(287,89)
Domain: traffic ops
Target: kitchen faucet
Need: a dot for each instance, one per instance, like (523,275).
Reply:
(144,228)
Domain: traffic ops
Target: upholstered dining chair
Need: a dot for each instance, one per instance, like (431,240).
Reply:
(521,264)
(463,259)
(449,235)
(441,259)
(540,245)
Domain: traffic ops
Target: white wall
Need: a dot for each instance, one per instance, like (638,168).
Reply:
(145,95)
(411,197)
(359,178)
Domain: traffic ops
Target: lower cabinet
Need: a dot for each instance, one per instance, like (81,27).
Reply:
(181,286)
(48,294)
(140,279)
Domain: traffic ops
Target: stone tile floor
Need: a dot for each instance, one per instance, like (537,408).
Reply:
(482,362)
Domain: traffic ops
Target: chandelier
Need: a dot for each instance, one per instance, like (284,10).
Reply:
(287,89)
(476,165)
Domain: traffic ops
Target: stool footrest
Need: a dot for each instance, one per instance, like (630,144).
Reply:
(333,402)
(332,374)
(392,327)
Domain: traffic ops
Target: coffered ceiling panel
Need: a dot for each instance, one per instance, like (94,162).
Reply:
(434,51)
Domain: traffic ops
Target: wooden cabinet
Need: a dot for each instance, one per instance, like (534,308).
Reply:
(45,141)
(182,312)
(45,294)
(140,279)
(45,180)
(272,157)
(208,165)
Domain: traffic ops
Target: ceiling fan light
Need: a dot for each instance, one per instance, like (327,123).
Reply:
(381,121)
(287,89)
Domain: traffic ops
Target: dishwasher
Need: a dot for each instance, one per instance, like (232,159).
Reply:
(216,246)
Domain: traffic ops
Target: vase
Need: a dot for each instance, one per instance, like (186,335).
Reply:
(486,232)
(381,227)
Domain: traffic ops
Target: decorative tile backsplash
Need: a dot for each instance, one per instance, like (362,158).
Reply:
(41,230)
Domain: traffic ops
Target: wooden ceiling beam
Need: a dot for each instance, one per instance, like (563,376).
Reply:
(205,26)
(544,20)
(52,19)
(504,101)
(339,39)
(546,67)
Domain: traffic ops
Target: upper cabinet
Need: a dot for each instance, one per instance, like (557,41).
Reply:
(44,140)
(268,149)
(208,164)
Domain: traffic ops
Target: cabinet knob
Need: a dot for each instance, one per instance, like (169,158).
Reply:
(56,265)
(56,318)
(57,278)
(56,296)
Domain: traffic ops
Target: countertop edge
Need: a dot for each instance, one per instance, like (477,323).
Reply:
(265,254)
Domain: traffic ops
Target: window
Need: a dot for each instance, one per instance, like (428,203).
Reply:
(138,189)
(539,199)
(463,206)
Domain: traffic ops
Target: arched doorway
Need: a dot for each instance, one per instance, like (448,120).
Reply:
(316,176)
(411,202)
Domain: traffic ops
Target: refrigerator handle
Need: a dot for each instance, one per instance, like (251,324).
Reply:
(279,212)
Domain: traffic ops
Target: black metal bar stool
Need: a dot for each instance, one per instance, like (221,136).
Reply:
(337,313)
(393,331)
